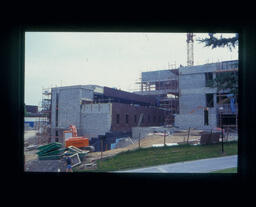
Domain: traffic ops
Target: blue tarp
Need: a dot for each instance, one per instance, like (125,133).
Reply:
(30,123)
(114,144)
(232,102)
(232,105)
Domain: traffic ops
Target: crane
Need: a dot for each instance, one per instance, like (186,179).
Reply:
(190,49)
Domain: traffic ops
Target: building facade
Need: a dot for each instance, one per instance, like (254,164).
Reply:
(163,85)
(97,110)
(101,118)
(199,104)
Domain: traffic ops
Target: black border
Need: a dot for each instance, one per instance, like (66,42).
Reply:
(13,84)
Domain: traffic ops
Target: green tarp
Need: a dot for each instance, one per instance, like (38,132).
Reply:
(52,157)
(55,151)
(43,150)
(49,145)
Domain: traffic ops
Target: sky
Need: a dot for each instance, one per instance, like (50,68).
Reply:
(114,60)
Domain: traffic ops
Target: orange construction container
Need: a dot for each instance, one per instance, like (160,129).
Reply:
(77,142)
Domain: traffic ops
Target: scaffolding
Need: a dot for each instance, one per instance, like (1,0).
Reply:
(226,66)
(46,103)
(45,116)
(226,111)
(166,91)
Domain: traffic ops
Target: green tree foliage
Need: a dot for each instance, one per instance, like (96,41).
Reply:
(225,80)
(214,42)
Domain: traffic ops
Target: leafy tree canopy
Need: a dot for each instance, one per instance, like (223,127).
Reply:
(214,42)
(225,80)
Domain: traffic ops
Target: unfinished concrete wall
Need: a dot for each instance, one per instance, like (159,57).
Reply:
(144,131)
(196,121)
(68,107)
(192,100)
(159,75)
(96,119)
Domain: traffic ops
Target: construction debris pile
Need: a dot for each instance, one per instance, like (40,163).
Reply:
(48,158)
(53,151)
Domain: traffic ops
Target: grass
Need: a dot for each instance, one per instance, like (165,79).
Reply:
(229,170)
(163,155)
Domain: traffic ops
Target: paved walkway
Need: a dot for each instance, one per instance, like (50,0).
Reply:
(196,166)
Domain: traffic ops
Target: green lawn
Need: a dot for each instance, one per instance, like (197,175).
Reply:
(229,170)
(163,155)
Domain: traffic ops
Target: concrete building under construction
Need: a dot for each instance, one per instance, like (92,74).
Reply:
(178,97)
(201,106)
(185,95)
(97,110)
(162,85)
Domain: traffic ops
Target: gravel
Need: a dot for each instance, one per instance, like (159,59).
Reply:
(45,166)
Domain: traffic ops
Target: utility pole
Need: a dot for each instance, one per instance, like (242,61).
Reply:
(164,137)
(221,126)
(188,134)
(139,140)
(101,147)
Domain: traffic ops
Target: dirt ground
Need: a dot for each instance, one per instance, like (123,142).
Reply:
(147,141)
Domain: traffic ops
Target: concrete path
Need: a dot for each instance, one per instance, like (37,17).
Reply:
(196,166)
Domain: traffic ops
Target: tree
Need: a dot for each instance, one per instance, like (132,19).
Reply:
(225,80)
(231,42)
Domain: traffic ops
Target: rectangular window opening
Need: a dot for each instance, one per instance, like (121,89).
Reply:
(126,118)
(208,79)
(206,117)
(117,118)
(209,100)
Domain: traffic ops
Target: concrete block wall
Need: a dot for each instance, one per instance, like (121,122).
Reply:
(159,75)
(188,81)
(68,107)
(196,121)
(96,119)
(192,100)
(199,69)
(69,101)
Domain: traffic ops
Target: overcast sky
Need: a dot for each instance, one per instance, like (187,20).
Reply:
(106,59)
